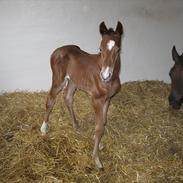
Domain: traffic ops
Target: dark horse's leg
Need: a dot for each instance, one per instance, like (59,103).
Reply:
(70,90)
(100,107)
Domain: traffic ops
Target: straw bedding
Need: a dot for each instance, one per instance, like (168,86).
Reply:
(143,139)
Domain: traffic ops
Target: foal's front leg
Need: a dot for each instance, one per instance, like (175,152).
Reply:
(100,112)
(105,109)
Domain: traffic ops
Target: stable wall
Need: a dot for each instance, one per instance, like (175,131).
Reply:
(31,30)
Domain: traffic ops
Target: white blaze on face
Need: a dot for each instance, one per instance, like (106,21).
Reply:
(105,72)
(110,44)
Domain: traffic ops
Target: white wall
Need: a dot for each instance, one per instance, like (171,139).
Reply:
(31,30)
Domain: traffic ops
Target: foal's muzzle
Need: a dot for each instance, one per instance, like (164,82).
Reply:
(106,74)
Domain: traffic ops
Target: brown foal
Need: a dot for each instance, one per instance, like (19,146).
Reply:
(96,74)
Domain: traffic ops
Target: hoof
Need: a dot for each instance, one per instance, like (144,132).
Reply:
(101,146)
(44,128)
(76,128)
(98,163)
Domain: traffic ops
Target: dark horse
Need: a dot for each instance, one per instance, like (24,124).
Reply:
(176,75)
(96,74)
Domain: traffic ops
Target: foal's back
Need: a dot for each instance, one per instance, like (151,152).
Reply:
(73,53)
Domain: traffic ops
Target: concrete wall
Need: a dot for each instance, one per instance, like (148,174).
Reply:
(31,30)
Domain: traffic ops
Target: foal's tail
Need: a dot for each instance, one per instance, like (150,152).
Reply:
(58,67)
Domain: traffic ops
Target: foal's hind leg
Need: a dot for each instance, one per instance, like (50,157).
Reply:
(57,86)
(70,90)
(59,81)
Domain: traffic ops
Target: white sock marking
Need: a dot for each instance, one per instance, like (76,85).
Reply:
(98,163)
(110,44)
(44,128)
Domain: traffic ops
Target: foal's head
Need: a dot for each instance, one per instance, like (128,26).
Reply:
(176,75)
(110,49)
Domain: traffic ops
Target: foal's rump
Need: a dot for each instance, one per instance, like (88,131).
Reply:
(64,52)
(59,61)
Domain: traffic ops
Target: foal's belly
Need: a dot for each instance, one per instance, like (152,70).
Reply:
(99,88)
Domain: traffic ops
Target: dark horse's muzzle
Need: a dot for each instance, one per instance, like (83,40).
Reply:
(176,104)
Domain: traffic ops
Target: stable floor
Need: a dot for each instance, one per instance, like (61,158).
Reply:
(143,138)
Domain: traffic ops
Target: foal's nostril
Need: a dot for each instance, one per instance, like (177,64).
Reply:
(106,77)
(106,73)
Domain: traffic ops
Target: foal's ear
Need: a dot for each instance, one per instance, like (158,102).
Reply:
(119,28)
(103,29)
(175,55)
